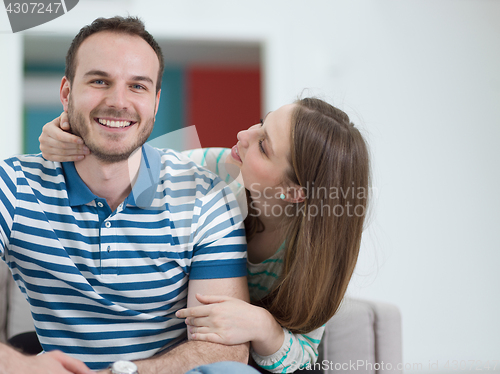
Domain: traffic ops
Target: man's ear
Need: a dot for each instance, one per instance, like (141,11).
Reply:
(64,91)
(295,194)
(157,101)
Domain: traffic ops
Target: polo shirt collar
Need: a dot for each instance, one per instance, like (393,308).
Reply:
(143,191)
(78,192)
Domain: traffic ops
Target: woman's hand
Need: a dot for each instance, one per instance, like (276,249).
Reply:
(230,321)
(222,319)
(58,144)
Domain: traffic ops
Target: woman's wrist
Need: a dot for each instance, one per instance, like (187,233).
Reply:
(269,334)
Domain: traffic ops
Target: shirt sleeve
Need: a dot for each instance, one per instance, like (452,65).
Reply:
(219,242)
(214,159)
(211,159)
(8,193)
(296,352)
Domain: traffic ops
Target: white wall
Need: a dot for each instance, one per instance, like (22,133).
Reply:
(11,55)
(422,79)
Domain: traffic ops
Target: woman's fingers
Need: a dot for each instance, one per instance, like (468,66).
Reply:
(58,129)
(64,121)
(196,311)
(210,299)
(208,337)
(198,321)
(58,144)
(49,143)
(54,153)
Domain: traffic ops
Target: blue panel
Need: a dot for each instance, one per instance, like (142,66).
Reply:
(34,119)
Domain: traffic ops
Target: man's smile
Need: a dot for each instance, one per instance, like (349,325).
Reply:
(114,123)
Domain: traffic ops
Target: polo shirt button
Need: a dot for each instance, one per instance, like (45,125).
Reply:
(99,204)
(108,224)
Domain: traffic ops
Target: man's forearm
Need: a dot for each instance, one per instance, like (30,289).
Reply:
(191,354)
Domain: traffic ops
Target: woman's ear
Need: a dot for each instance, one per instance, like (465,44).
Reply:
(295,194)
(64,91)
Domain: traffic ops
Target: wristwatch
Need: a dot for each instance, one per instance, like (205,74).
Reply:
(123,367)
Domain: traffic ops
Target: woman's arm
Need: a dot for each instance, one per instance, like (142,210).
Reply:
(58,144)
(298,351)
(229,321)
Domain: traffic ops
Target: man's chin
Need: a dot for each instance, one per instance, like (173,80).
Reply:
(111,158)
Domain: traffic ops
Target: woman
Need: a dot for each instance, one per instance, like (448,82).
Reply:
(305,169)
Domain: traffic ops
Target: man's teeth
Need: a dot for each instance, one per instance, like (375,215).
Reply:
(117,124)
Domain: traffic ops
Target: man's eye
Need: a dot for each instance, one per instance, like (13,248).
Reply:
(99,81)
(138,87)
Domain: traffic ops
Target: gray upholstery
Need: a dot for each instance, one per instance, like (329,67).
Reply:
(15,315)
(363,337)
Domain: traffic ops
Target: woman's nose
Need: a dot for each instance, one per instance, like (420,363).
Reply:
(245,136)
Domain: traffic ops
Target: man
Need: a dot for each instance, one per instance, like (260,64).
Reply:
(106,262)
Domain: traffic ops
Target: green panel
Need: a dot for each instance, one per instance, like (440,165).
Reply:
(34,119)
(170,116)
(44,68)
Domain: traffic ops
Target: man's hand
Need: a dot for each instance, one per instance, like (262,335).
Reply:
(55,362)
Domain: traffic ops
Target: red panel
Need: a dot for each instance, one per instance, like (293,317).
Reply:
(221,102)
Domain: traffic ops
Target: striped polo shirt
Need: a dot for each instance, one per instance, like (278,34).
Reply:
(105,285)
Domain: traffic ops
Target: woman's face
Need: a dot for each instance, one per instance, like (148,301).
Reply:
(262,152)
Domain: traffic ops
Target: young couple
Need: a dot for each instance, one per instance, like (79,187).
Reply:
(107,279)
(302,243)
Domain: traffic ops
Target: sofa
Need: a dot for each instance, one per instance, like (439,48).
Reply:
(363,337)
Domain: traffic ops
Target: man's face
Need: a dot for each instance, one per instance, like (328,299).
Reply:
(112,101)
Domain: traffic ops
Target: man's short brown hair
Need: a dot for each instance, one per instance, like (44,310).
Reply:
(128,25)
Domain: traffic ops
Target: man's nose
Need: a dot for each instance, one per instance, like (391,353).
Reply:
(117,98)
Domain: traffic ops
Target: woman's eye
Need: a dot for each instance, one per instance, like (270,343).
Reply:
(261,147)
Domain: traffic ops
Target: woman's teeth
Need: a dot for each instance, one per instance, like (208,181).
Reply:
(116,124)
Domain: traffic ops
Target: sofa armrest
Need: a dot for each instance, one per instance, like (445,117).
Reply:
(19,319)
(363,337)
(15,314)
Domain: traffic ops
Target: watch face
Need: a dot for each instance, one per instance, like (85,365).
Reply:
(124,367)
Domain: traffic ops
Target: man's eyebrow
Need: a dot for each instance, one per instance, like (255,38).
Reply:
(100,73)
(142,78)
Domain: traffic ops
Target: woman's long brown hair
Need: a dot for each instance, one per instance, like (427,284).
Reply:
(330,162)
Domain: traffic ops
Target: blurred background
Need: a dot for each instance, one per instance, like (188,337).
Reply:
(420,78)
